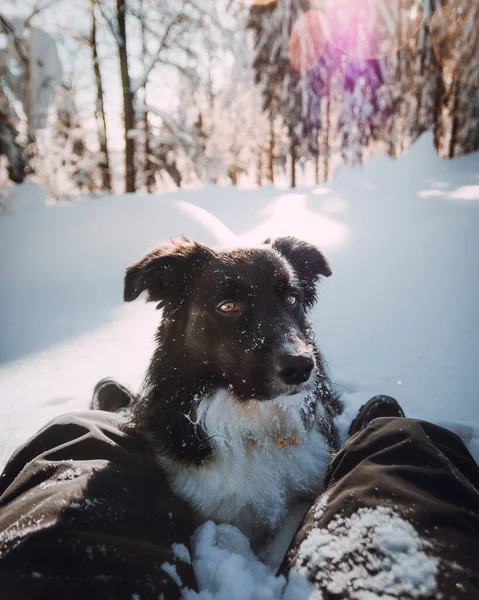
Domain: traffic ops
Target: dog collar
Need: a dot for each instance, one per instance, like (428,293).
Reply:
(286,441)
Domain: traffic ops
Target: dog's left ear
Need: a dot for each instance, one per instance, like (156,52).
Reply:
(306,259)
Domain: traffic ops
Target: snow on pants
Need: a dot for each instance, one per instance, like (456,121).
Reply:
(399,518)
(86,512)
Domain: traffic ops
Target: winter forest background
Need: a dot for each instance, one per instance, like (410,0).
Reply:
(147,95)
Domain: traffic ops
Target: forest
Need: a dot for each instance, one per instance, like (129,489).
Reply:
(101,96)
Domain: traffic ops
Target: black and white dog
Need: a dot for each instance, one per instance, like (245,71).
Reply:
(236,402)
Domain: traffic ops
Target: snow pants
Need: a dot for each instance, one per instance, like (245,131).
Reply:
(86,512)
(399,518)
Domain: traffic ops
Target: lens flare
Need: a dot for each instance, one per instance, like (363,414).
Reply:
(371,29)
(307,42)
(455,40)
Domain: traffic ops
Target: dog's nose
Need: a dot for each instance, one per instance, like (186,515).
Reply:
(295,368)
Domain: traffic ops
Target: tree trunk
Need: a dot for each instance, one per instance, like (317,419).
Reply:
(327,133)
(422,50)
(455,119)
(316,160)
(233,174)
(28,87)
(100,108)
(259,169)
(128,113)
(149,167)
(292,155)
(270,166)
(437,118)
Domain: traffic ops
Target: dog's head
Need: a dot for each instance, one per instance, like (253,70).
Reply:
(235,318)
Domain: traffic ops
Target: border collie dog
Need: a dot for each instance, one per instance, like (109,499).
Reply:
(236,402)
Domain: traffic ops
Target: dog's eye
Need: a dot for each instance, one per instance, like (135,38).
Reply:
(227,307)
(292,299)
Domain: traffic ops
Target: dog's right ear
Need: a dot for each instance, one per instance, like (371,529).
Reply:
(165,272)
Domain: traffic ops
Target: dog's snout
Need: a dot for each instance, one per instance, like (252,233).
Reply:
(295,368)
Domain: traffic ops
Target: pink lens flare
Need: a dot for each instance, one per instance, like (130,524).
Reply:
(307,42)
(371,29)
(455,40)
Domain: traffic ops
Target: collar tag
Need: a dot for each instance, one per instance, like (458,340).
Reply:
(286,441)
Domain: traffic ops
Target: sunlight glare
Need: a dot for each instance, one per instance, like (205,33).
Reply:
(465,192)
(307,42)
(371,29)
(289,215)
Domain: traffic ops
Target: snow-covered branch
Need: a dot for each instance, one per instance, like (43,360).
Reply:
(141,81)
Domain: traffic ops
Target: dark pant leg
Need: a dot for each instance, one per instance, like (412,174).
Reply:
(85,512)
(399,517)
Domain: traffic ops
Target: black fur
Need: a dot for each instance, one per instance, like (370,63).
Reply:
(201,349)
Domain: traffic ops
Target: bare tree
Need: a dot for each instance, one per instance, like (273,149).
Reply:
(149,166)
(270,164)
(169,37)
(326,146)
(293,158)
(100,105)
(128,110)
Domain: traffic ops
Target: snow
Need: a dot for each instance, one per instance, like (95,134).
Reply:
(171,571)
(225,567)
(399,315)
(374,552)
(181,552)
(466,192)
(393,561)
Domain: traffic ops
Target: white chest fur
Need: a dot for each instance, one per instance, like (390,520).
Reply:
(252,481)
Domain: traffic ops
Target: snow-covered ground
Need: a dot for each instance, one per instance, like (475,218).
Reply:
(399,316)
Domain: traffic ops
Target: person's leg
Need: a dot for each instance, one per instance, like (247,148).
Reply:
(399,517)
(85,512)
